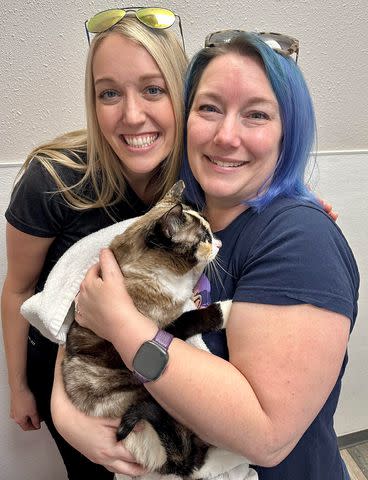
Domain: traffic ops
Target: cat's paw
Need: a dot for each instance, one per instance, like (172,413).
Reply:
(225,310)
(146,447)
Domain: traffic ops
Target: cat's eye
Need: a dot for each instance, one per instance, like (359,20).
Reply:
(206,237)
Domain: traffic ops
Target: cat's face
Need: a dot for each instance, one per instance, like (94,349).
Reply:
(170,235)
(182,233)
(185,235)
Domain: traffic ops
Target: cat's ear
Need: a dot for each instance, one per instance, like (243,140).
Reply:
(172,221)
(165,227)
(175,192)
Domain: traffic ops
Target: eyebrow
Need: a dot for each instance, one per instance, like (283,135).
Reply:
(262,100)
(143,78)
(252,101)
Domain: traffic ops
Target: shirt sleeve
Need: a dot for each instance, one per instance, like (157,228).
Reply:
(301,257)
(35,206)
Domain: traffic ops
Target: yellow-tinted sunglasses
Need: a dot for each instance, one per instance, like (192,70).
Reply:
(151,17)
(282,44)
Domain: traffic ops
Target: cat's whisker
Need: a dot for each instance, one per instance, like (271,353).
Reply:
(213,273)
(219,263)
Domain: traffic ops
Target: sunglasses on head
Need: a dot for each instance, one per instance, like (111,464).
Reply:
(152,17)
(282,44)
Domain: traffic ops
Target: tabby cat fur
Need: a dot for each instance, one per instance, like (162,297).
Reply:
(162,255)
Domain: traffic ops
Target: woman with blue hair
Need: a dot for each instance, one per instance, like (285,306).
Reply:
(296,115)
(270,391)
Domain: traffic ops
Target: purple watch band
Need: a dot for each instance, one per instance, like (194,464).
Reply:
(140,377)
(163,339)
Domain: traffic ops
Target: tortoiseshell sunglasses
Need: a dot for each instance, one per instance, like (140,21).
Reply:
(282,44)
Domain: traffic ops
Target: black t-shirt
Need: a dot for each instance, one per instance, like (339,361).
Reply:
(37,208)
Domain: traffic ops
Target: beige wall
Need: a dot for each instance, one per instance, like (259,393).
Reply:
(42,49)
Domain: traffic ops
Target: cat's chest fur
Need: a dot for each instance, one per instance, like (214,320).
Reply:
(161,294)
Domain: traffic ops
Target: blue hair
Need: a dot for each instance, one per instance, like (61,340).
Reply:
(296,112)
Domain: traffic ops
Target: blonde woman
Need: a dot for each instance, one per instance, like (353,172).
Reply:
(123,162)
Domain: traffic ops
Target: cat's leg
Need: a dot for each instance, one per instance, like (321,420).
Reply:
(163,444)
(214,317)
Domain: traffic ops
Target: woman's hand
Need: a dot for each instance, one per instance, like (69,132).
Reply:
(23,410)
(94,437)
(103,295)
(327,207)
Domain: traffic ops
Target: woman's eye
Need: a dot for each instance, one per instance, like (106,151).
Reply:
(259,116)
(154,90)
(207,108)
(108,95)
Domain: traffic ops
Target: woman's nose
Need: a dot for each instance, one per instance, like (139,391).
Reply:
(133,113)
(228,133)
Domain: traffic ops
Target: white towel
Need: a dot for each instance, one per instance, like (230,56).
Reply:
(238,472)
(52,310)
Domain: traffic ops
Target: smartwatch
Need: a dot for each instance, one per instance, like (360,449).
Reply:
(152,357)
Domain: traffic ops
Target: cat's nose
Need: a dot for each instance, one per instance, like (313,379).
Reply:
(218,242)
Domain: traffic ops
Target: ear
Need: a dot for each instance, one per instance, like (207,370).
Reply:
(175,192)
(164,229)
(172,220)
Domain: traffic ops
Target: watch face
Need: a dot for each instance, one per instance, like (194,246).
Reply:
(150,360)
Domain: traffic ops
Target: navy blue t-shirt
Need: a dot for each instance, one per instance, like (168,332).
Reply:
(290,254)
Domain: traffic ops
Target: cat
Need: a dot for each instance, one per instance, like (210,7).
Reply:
(162,255)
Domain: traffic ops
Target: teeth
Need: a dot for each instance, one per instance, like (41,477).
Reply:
(140,141)
(226,164)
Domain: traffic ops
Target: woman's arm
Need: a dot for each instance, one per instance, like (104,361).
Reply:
(285,361)
(25,256)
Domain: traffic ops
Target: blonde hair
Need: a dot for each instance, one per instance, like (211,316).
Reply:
(104,169)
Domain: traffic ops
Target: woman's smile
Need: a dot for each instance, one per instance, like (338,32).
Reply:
(224,162)
(140,142)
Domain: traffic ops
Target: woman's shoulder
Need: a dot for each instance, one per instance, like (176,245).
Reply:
(296,251)
(37,203)
(292,227)
(68,165)
(302,228)
(294,213)
(280,215)
(292,207)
